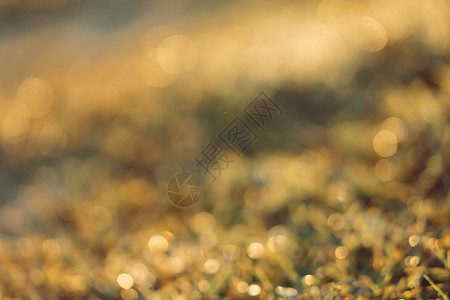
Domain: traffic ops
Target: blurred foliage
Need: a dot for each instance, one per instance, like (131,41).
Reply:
(345,197)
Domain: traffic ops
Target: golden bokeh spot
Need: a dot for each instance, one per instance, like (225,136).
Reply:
(158,244)
(383,170)
(125,280)
(212,266)
(253,196)
(255,250)
(396,126)
(35,97)
(130,294)
(242,287)
(336,222)
(341,252)
(175,265)
(414,240)
(203,222)
(279,242)
(203,285)
(287,292)
(140,273)
(309,280)
(315,292)
(412,261)
(254,290)
(168,235)
(342,264)
(176,55)
(385,143)
(369,34)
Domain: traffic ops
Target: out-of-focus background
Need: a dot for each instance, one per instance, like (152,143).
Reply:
(344,197)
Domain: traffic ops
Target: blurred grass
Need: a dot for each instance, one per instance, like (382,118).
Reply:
(345,197)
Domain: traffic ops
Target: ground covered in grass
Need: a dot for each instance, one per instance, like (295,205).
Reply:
(344,195)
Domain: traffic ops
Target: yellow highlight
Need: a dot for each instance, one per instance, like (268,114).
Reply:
(385,143)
